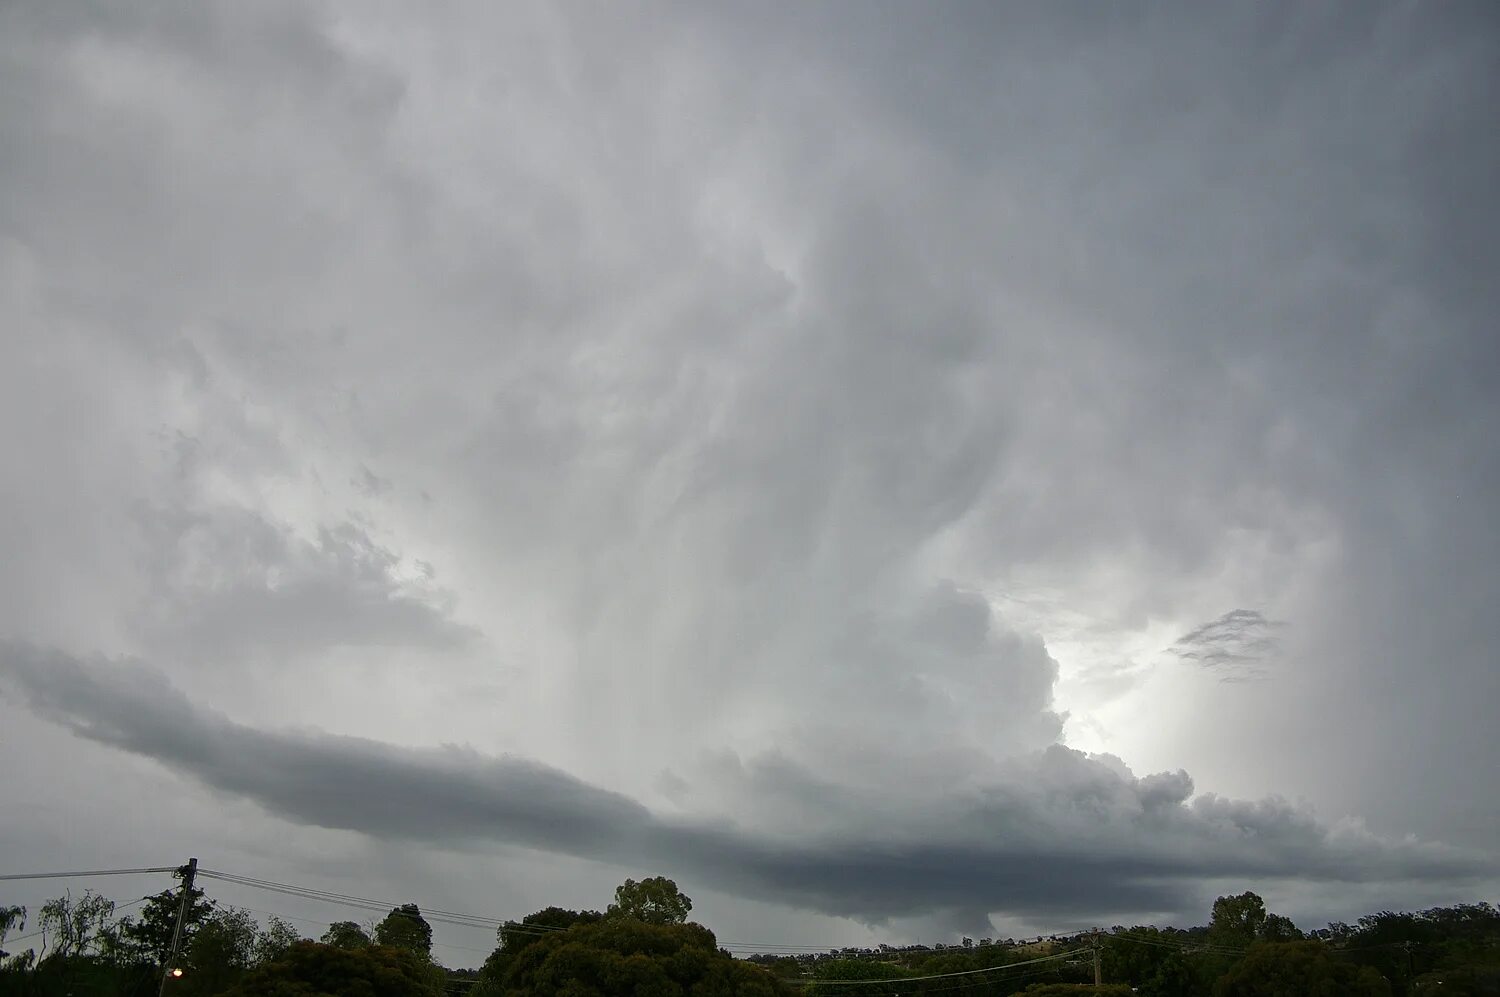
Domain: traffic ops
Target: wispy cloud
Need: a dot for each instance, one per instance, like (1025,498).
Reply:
(1236,646)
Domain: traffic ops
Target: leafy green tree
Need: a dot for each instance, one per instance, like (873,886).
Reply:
(74,926)
(1417,950)
(1133,955)
(1298,969)
(405,928)
(347,935)
(630,956)
(836,976)
(220,952)
(1237,921)
(655,901)
(11,919)
(148,938)
(1077,990)
(1276,928)
(275,940)
(1178,975)
(1157,962)
(514,936)
(1463,981)
(310,969)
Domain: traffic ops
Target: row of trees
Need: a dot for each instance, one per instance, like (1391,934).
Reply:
(643,944)
(85,948)
(1244,951)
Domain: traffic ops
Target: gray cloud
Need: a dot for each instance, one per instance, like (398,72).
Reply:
(229,580)
(1064,834)
(1234,645)
(822,404)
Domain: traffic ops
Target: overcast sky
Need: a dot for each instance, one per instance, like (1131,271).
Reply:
(899,469)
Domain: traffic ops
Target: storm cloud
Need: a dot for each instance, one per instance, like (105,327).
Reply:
(1065,833)
(748,428)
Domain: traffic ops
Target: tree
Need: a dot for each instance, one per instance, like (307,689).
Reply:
(75,926)
(220,952)
(347,935)
(842,974)
(1276,928)
(405,928)
(629,956)
(1134,955)
(275,941)
(11,919)
(654,901)
(514,936)
(149,938)
(1303,969)
(310,969)
(1237,921)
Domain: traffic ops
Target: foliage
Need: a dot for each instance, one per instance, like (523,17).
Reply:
(1245,952)
(1077,990)
(654,901)
(1298,969)
(311,969)
(514,936)
(275,940)
(629,956)
(11,919)
(74,927)
(1156,962)
(220,951)
(347,935)
(148,938)
(843,970)
(1237,921)
(1178,975)
(1465,981)
(1276,928)
(405,928)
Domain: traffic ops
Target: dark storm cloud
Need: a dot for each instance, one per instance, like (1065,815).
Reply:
(1233,646)
(1068,834)
(748,361)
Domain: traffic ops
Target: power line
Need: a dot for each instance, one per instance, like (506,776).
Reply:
(948,976)
(1212,948)
(314,920)
(91,873)
(1035,971)
(361,903)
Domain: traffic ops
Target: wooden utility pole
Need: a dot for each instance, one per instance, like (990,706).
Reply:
(1096,958)
(187,872)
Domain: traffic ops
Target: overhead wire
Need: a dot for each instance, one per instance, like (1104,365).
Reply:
(434,914)
(90,873)
(945,976)
(1170,943)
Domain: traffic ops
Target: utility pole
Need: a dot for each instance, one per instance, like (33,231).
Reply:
(187,873)
(1096,958)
